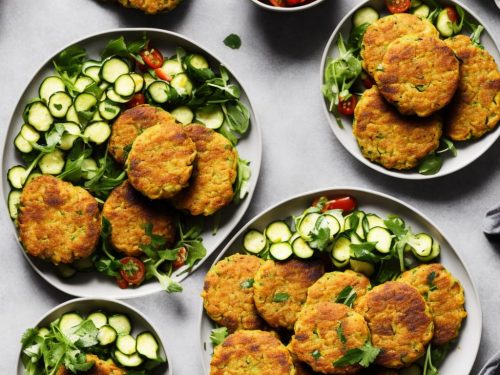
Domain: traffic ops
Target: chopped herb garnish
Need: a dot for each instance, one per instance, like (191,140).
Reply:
(430,281)
(218,335)
(316,354)
(340,334)
(363,356)
(280,297)
(247,284)
(347,296)
(233,41)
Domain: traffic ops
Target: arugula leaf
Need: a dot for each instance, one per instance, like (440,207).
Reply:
(347,296)
(429,368)
(69,62)
(363,356)
(356,38)
(447,145)
(431,164)
(118,47)
(218,335)
(281,297)
(232,41)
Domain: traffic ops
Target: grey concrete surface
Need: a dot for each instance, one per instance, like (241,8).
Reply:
(278,64)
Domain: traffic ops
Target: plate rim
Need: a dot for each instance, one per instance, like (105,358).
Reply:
(255,164)
(405,175)
(262,5)
(336,190)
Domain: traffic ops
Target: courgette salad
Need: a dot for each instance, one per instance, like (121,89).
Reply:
(345,80)
(66,129)
(100,341)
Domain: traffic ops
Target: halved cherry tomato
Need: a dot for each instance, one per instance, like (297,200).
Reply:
(181,258)
(452,14)
(152,58)
(278,3)
(121,283)
(162,74)
(132,271)
(136,100)
(398,6)
(346,107)
(346,204)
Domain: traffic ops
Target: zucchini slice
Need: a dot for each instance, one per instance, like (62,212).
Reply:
(29,133)
(196,61)
(372,221)
(422,11)
(183,114)
(278,231)
(49,86)
(211,116)
(421,245)
(112,95)
(159,91)
(382,239)
(82,82)
(17,176)
(89,168)
(148,79)
(68,322)
(108,110)
(120,323)
(444,24)
(44,331)
(307,225)
(172,67)
(71,133)
(138,81)
(341,251)
(98,132)
(254,241)
(332,224)
(113,68)
(301,248)
(59,104)
(126,344)
(147,345)
(72,116)
(13,201)
(106,335)
(182,84)
(359,266)
(22,144)
(98,318)
(38,116)
(281,250)
(93,72)
(365,15)
(85,102)
(83,265)
(52,163)
(124,85)
(32,176)
(133,360)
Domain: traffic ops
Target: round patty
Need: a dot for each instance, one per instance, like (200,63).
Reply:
(331,284)
(280,289)
(475,109)
(160,162)
(151,6)
(130,124)
(382,32)
(211,186)
(57,221)
(251,352)
(390,139)
(400,323)
(325,332)
(444,295)
(228,293)
(129,212)
(419,75)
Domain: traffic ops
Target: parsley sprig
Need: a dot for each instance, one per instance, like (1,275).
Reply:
(363,356)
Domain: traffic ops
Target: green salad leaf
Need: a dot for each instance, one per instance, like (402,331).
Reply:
(232,41)
(218,335)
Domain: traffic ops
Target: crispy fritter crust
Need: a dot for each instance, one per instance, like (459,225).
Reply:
(215,171)
(288,280)
(444,295)
(58,222)
(382,32)
(475,109)
(251,352)
(160,162)
(325,332)
(228,293)
(390,139)
(419,75)
(331,284)
(151,6)
(129,212)
(400,323)
(130,124)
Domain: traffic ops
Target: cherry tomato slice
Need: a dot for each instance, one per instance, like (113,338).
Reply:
(121,283)
(398,6)
(452,14)
(152,58)
(346,107)
(346,203)
(162,74)
(278,3)
(181,258)
(132,270)
(136,100)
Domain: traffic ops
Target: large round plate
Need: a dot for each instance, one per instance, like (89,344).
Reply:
(93,284)
(459,361)
(88,305)
(467,151)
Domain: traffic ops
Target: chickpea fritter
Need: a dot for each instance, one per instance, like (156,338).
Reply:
(325,332)
(331,284)
(475,109)
(129,212)
(390,139)
(382,32)
(419,75)
(280,289)
(130,124)
(251,352)
(228,293)
(160,162)
(57,221)
(214,173)
(444,295)
(151,6)
(400,323)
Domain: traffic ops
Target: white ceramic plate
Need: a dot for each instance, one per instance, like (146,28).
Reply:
(86,306)
(93,284)
(459,361)
(467,152)
(287,9)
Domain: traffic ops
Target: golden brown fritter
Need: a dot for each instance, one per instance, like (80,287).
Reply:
(419,75)
(400,323)
(331,284)
(390,139)
(251,352)
(444,295)
(58,222)
(228,293)
(151,6)
(325,332)
(130,124)
(100,367)
(382,32)
(211,186)
(475,109)
(160,162)
(280,289)
(129,212)
(301,368)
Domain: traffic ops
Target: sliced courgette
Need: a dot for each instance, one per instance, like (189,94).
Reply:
(172,67)
(68,322)
(13,201)
(126,344)
(22,144)
(85,102)
(382,239)
(147,345)
(106,335)
(133,360)
(211,116)
(98,318)
(138,82)
(124,85)
(159,91)
(182,84)
(98,132)
(108,110)
(82,82)
(114,68)
(278,231)
(281,250)
(49,86)
(183,114)
(254,241)
(17,176)
(421,245)
(307,225)
(38,116)
(301,248)
(120,323)
(59,104)
(52,163)
(365,15)
(341,251)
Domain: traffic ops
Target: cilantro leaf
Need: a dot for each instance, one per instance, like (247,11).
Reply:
(218,335)
(232,41)
(69,62)
(347,296)
(280,297)
(363,356)
(247,284)
(316,354)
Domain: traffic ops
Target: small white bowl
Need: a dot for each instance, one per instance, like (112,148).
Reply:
(287,9)
(88,305)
